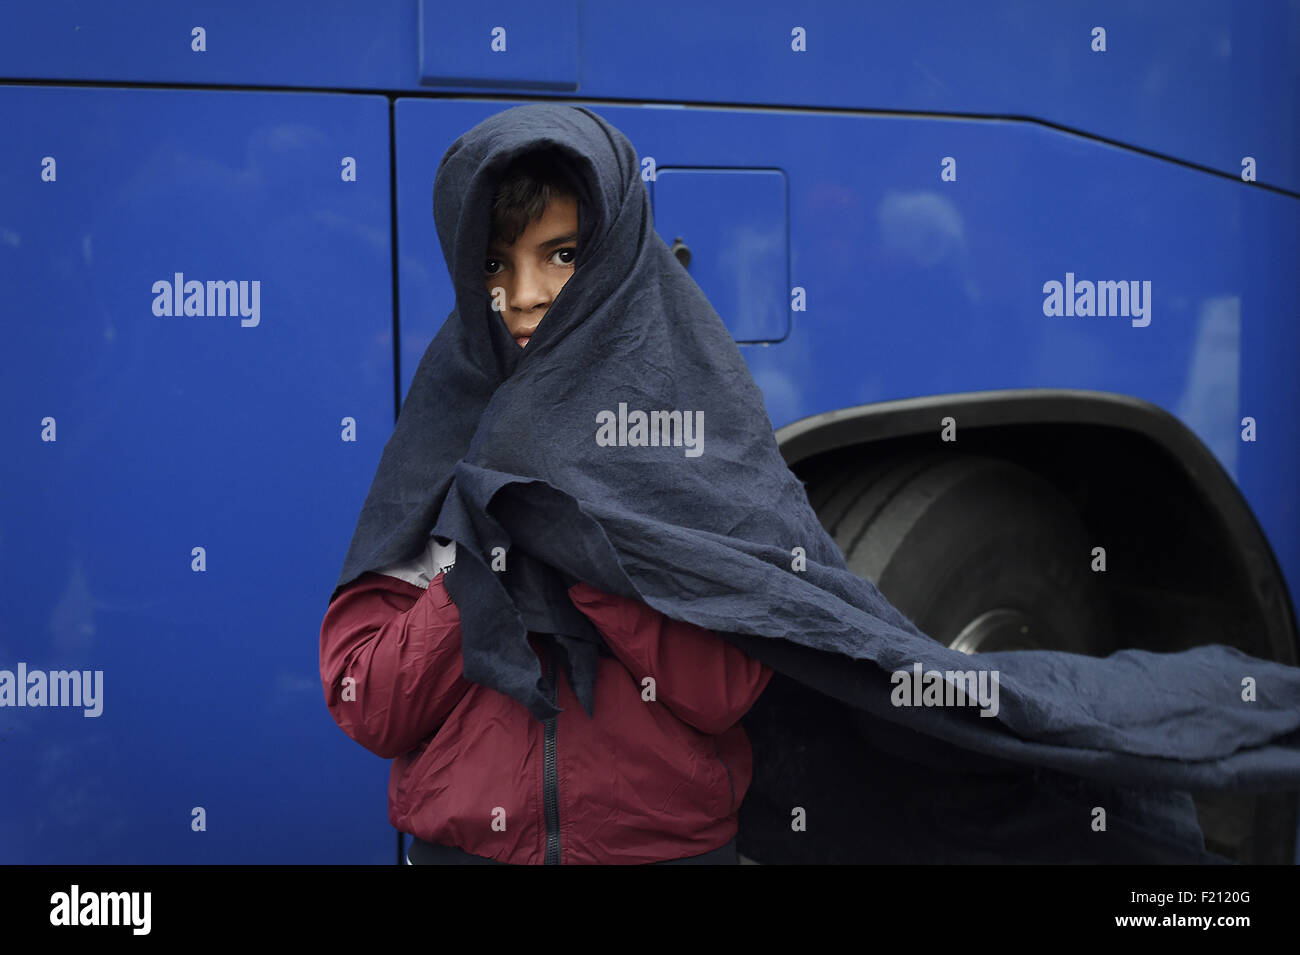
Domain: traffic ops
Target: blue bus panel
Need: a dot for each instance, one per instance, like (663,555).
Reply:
(176,448)
(1203,81)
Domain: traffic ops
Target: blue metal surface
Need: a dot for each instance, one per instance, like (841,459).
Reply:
(526,45)
(1205,81)
(736,226)
(182,432)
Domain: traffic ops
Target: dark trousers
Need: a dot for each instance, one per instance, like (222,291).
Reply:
(429,853)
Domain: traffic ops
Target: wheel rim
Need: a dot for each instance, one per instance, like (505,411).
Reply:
(1002,628)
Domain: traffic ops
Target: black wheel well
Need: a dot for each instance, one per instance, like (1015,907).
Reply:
(1186,562)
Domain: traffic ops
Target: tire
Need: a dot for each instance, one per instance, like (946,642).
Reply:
(980,554)
(984,555)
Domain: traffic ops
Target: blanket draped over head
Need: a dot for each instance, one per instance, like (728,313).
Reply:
(496,448)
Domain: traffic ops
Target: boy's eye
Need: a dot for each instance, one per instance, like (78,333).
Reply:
(571,254)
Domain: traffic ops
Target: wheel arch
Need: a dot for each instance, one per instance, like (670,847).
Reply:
(1065,424)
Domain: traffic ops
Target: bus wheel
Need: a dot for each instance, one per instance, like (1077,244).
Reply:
(984,555)
(980,554)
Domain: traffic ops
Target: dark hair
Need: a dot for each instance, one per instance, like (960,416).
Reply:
(525,189)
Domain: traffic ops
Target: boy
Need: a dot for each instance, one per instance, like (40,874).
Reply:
(475,778)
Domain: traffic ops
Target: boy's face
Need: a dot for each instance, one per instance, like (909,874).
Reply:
(531,272)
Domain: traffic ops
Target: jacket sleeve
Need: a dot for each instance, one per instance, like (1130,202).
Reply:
(701,678)
(401,645)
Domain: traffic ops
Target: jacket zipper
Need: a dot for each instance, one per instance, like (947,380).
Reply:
(550,784)
(730,782)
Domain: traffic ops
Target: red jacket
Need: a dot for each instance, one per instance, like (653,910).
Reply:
(644,781)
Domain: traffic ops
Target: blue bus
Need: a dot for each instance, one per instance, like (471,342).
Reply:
(1018,282)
